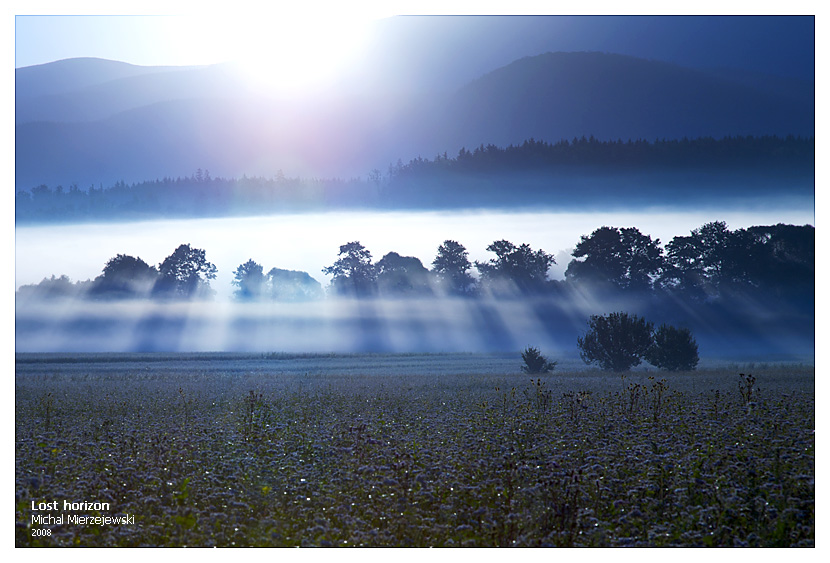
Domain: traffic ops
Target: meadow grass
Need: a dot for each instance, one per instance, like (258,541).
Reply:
(268,451)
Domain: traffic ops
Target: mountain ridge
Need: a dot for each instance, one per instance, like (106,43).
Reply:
(549,96)
(66,75)
(651,99)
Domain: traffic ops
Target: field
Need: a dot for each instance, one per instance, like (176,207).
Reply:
(408,450)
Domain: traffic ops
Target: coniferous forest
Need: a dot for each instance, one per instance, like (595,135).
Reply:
(567,174)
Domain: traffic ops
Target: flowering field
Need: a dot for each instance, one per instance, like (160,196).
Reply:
(408,451)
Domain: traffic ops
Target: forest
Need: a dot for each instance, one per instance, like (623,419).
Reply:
(618,155)
(533,173)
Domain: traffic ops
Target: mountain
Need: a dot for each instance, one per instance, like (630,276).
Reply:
(92,122)
(566,95)
(72,75)
(97,91)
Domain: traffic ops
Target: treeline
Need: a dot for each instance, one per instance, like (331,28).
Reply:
(197,195)
(710,264)
(768,152)
(770,266)
(585,172)
(184,275)
(532,173)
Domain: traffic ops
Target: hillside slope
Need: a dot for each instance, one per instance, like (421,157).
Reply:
(120,126)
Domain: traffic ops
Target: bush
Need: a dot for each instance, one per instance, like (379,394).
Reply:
(535,362)
(673,349)
(616,342)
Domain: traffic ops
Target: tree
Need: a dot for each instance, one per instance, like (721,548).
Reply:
(770,262)
(291,285)
(249,280)
(697,264)
(353,273)
(673,349)
(535,362)
(402,275)
(451,268)
(515,268)
(786,270)
(125,277)
(185,274)
(622,258)
(616,342)
(53,288)
(376,177)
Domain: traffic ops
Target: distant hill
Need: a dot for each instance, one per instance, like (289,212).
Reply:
(92,122)
(566,95)
(34,84)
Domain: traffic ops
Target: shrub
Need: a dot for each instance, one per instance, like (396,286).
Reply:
(535,362)
(673,349)
(616,342)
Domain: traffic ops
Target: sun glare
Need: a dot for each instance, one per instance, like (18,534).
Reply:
(297,53)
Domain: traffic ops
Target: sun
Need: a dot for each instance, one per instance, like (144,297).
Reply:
(297,52)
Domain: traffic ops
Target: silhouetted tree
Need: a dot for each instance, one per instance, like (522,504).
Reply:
(41,193)
(125,277)
(535,362)
(249,281)
(764,261)
(185,274)
(622,258)
(353,273)
(54,288)
(698,264)
(616,342)
(673,349)
(291,285)
(376,177)
(770,262)
(452,268)
(402,275)
(787,265)
(515,269)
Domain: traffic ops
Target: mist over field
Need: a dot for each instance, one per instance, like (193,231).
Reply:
(343,326)
(438,325)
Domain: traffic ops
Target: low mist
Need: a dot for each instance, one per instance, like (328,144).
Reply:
(341,325)
(333,325)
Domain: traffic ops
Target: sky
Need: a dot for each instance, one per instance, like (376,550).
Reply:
(327,30)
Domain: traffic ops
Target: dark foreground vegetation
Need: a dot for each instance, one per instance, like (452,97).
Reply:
(225,451)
